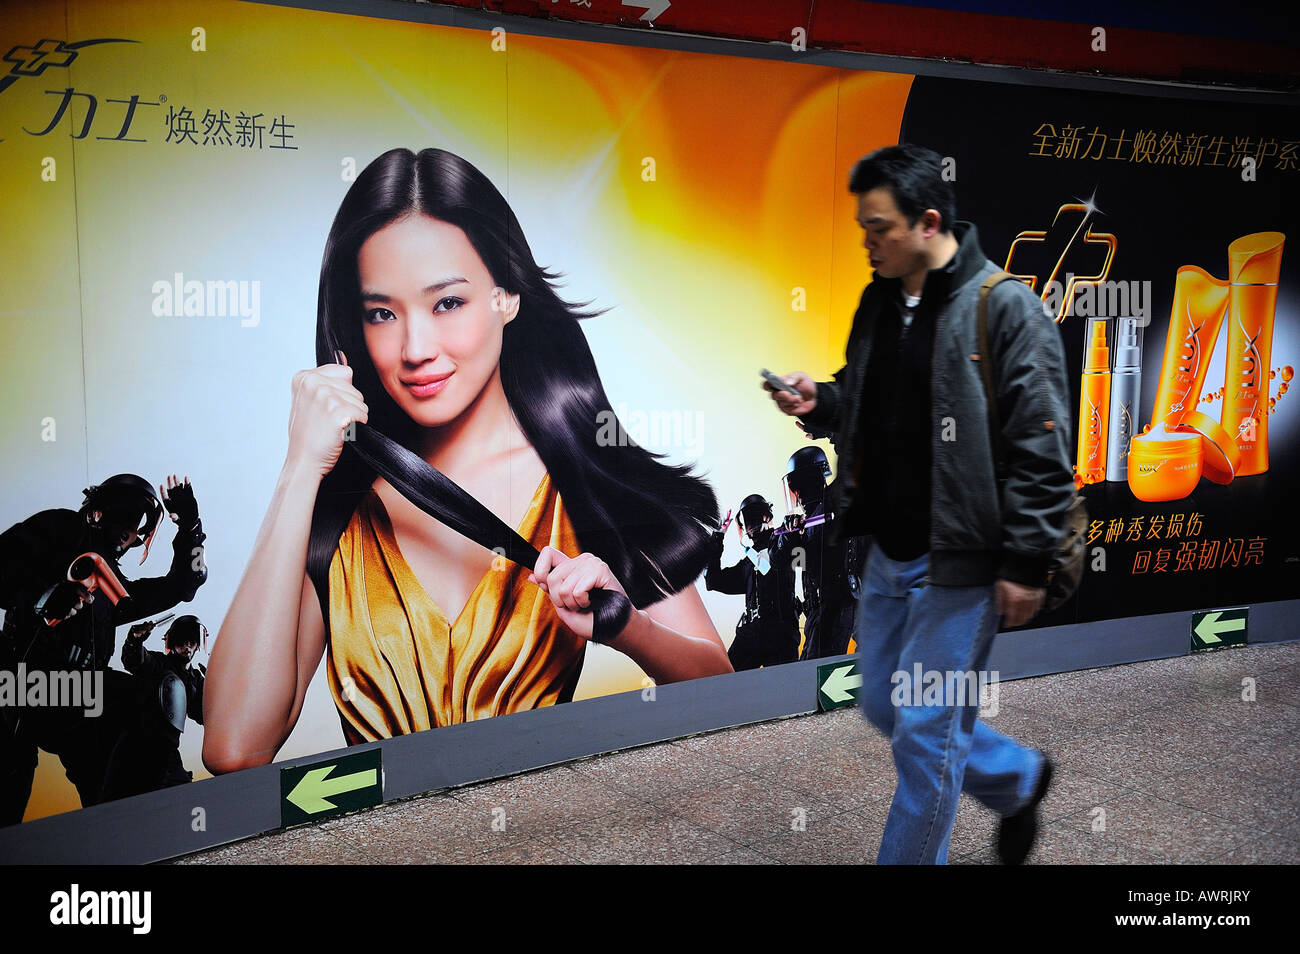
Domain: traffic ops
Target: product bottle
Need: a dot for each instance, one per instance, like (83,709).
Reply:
(1094,405)
(1125,392)
(1253,265)
(1200,300)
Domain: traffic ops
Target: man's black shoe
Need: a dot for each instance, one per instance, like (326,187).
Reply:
(1017,832)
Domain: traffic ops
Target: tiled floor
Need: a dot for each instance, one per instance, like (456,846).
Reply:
(1157,762)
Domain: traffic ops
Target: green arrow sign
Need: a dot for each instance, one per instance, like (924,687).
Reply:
(1220,628)
(838,685)
(344,784)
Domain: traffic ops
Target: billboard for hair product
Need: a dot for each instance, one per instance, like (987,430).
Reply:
(1156,232)
(367,377)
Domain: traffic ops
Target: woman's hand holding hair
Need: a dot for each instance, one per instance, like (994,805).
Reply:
(273,636)
(568,581)
(670,641)
(324,404)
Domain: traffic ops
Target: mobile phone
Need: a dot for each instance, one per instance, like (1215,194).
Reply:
(777,383)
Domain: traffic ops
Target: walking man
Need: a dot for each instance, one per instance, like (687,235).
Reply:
(954,548)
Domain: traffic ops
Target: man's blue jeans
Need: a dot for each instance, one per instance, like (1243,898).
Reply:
(939,749)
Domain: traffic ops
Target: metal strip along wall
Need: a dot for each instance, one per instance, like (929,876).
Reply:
(1189,41)
(869,50)
(157,826)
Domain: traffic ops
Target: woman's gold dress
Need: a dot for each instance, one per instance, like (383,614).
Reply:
(396,664)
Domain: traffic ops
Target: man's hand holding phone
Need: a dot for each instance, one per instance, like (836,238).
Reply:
(796,404)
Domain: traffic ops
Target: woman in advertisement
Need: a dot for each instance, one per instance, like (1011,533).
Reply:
(436,327)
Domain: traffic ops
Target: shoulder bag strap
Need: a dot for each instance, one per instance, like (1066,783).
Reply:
(986,371)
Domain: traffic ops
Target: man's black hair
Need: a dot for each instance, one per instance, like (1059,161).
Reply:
(914,177)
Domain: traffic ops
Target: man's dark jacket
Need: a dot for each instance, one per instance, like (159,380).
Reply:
(978,532)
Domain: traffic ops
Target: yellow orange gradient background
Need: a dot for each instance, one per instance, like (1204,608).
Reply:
(699,265)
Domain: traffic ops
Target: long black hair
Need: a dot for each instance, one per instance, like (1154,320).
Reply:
(649,520)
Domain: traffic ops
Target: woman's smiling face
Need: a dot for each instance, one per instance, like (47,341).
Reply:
(432,316)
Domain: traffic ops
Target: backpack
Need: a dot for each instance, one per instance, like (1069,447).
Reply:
(1067,566)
